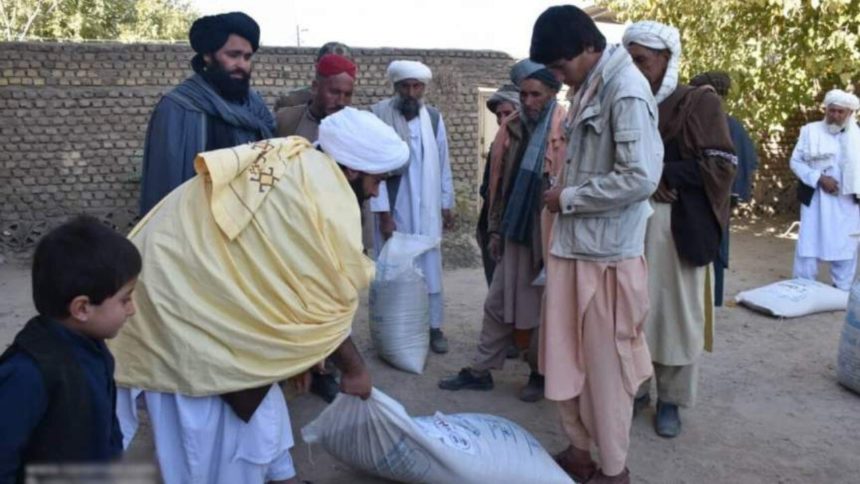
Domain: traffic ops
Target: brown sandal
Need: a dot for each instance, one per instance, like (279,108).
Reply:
(601,478)
(577,463)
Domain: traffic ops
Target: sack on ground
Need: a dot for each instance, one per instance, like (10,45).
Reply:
(794,298)
(378,436)
(848,357)
(399,303)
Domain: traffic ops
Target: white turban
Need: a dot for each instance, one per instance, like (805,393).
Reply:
(406,69)
(361,141)
(850,141)
(657,36)
(843,99)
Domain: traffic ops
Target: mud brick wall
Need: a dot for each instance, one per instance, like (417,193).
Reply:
(73,119)
(775,185)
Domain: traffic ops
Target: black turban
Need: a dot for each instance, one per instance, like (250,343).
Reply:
(208,34)
(720,81)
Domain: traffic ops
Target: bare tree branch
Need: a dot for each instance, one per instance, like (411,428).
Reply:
(36,11)
(7,22)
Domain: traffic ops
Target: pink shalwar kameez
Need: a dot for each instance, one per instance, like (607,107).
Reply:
(593,351)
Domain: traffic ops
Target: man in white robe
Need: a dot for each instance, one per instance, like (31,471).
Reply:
(419,199)
(827,162)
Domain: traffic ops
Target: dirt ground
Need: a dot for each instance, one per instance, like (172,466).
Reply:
(769,409)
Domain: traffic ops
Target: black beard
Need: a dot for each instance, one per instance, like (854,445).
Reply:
(409,107)
(358,189)
(233,90)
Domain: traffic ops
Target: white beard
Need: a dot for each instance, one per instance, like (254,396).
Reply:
(834,128)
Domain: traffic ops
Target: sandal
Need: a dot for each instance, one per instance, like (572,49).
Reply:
(577,463)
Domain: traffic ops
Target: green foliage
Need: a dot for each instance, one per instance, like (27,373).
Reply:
(125,20)
(160,19)
(781,54)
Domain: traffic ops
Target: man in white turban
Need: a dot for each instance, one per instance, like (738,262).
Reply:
(252,276)
(826,159)
(419,198)
(664,39)
(691,213)
(367,149)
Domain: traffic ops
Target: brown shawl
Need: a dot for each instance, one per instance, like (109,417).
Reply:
(699,163)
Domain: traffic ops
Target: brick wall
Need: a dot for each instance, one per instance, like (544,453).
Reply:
(73,118)
(775,185)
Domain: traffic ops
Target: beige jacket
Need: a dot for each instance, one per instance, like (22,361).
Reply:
(614,162)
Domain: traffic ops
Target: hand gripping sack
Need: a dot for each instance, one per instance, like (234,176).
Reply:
(378,436)
(399,303)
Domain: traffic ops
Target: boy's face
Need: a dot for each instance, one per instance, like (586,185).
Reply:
(572,71)
(103,321)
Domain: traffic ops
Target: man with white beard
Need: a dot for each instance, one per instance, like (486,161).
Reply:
(827,162)
(419,198)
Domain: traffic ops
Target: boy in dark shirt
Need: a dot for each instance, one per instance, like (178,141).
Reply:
(57,392)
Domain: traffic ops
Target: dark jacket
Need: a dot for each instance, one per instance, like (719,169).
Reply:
(190,119)
(699,164)
(57,400)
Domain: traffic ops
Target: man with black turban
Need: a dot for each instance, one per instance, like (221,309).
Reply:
(213,109)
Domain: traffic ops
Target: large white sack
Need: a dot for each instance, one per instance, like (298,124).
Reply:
(400,322)
(794,298)
(379,437)
(397,257)
(399,303)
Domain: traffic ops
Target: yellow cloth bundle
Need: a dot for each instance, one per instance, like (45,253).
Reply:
(251,272)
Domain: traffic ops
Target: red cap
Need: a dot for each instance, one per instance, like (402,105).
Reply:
(333,64)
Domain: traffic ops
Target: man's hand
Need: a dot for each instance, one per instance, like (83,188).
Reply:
(356,382)
(386,225)
(494,247)
(552,199)
(354,378)
(829,184)
(665,194)
(449,222)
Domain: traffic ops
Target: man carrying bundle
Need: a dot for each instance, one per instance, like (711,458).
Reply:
(252,272)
